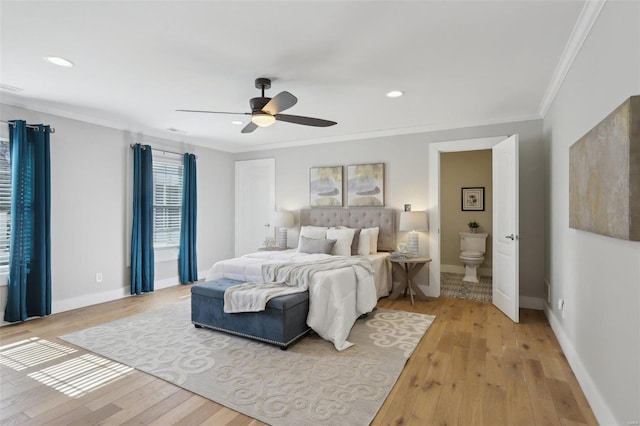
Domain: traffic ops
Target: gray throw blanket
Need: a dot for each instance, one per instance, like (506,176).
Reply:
(287,278)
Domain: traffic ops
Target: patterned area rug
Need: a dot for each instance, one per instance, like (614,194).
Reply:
(310,383)
(451,285)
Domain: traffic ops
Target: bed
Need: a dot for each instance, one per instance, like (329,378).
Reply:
(337,296)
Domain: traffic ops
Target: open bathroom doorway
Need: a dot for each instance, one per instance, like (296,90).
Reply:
(505,238)
(466,199)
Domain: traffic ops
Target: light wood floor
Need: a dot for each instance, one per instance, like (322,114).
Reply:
(473,367)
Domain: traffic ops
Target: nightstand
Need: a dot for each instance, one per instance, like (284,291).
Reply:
(408,268)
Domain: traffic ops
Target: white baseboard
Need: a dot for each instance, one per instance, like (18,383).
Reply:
(167,282)
(105,296)
(69,304)
(528,302)
(171,281)
(599,406)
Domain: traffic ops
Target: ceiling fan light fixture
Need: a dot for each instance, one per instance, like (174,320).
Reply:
(262,119)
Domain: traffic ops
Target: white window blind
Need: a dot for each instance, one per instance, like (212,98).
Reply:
(5,204)
(167,201)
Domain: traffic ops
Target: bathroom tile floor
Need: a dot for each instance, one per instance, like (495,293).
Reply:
(451,285)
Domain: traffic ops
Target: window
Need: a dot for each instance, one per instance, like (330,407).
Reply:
(5,204)
(167,201)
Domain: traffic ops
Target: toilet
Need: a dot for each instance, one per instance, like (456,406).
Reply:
(472,249)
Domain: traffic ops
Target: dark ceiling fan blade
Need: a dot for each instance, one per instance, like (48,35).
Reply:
(306,121)
(249,127)
(282,101)
(213,112)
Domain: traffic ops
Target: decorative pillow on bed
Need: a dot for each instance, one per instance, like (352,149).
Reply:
(315,232)
(315,245)
(356,241)
(361,244)
(364,245)
(344,237)
(373,238)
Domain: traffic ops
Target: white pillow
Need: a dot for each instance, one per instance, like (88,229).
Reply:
(364,244)
(344,237)
(315,232)
(363,241)
(373,238)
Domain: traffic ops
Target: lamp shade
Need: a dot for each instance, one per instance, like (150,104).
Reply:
(413,221)
(283,219)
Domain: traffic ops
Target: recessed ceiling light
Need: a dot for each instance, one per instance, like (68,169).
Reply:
(237,122)
(56,60)
(395,94)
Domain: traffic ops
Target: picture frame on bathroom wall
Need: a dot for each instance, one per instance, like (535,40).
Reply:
(473,199)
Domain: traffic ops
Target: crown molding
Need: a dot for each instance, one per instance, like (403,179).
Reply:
(581,30)
(388,132)
(110,122)
(21,102)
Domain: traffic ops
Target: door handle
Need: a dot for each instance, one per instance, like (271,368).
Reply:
(511,237)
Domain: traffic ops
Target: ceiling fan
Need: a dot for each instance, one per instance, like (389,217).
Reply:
(265,111)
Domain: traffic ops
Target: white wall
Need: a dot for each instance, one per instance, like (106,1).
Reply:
(90,209)
(406,161)
(597,276)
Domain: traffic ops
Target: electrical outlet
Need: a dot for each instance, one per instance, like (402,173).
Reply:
(98,277)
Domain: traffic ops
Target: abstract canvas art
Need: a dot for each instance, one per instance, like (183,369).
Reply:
(604,175)
(325,186)
(365,185)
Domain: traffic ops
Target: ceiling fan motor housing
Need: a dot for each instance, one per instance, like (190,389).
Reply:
(258,103)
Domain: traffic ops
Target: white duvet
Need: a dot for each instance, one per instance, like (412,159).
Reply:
(336,297)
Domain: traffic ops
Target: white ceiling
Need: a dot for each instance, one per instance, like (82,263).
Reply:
(459,63)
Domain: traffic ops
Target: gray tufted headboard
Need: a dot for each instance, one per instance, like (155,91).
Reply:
(356,218)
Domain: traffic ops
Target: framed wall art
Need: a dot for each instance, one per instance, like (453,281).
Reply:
(325,186)
(365,185)
(473,199)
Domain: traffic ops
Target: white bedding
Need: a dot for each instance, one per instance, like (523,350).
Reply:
(336,297)
(382,271)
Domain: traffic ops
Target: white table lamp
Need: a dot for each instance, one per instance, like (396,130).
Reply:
(413,221)
(283,220)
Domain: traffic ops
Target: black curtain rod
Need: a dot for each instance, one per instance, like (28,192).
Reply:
(31,126)
(161,150)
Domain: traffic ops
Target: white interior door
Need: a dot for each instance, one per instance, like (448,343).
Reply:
(506,288)
(435,149)
(255,204)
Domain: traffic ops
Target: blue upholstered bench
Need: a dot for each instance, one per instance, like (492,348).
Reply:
(282,322)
